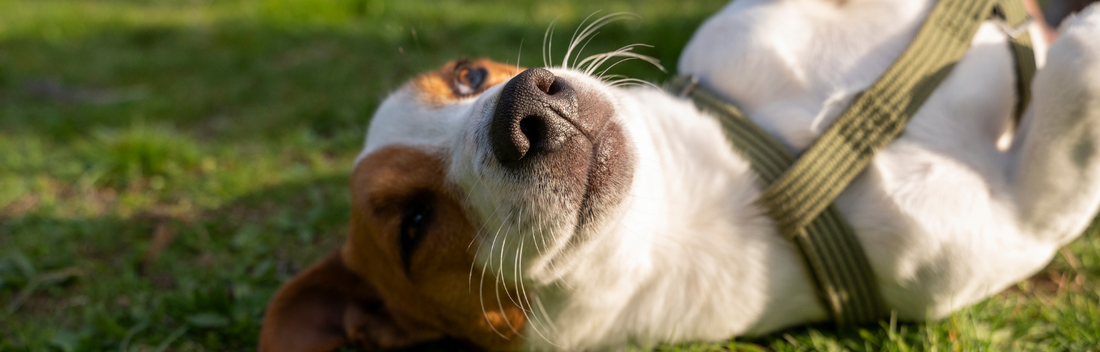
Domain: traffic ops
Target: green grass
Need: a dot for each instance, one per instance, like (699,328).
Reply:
(231,125)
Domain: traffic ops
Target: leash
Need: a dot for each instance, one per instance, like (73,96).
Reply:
(800,189)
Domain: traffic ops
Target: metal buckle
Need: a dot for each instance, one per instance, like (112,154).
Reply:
(1014,32)
(1001,19)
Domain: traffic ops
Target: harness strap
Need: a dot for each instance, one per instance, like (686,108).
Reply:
(1016,20)
(836,260)
(875,118)
(801,189)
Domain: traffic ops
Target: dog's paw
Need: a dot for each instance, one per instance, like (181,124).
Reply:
(1083,27)
(1075,57)
(1060,160)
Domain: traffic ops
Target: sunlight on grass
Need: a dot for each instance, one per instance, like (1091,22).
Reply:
(141,152)
(166,164)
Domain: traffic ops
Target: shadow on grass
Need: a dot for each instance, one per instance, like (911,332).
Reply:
(212,280)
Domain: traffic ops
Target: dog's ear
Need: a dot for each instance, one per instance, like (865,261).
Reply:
(329,306)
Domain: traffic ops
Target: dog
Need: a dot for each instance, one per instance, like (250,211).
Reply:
(548,209)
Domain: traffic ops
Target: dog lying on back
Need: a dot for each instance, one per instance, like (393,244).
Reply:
(547,209)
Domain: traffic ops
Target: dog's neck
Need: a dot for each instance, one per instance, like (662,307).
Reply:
(644,274)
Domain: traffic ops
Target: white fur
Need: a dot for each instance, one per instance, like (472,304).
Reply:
(946,216)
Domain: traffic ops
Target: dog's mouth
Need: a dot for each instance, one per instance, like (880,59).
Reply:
(554,166)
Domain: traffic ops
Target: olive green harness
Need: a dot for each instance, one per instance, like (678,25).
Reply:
(800,189)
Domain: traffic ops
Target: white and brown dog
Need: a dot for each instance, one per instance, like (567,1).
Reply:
(547,209)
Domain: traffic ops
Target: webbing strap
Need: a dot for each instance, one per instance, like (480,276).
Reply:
(1015,16)
(800,190)
(875,118)
(835,258)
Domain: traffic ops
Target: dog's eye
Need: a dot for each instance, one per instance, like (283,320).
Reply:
(414,222)
(468,80)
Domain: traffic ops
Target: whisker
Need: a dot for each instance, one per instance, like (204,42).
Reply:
(573,39)
(540,223)
(591,59)
(515,273)
(592,28)
(481,298)
(596,61)
(519,56)
(545,43)
(566,244)
(628,51)
(504,242)
(639,82)
(579,52)
(550,322)
(532,317)
(470,280)
(523,289)
(472,188)
(615,64)
(479,234)
(550,48)
(467,201)
(515,267)
(496,289)
(610,78)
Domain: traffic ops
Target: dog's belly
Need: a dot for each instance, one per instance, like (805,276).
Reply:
(936,233)
(932,211)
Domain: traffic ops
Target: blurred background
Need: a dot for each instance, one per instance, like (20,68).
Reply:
(166,164)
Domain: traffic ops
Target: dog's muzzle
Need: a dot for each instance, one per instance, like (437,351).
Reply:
(539,114)
(557,136)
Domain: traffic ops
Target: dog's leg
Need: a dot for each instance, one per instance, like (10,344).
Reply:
(1056,174)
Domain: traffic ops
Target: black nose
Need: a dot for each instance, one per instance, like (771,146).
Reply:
(532,115)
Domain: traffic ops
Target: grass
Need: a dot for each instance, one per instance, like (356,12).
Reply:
(231,126)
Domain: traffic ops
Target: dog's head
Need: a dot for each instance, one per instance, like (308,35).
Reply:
(476,184)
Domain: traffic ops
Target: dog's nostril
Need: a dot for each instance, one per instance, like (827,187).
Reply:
(554,88)
(534,128)
(532,115)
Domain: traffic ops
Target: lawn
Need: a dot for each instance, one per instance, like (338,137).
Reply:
(166,164)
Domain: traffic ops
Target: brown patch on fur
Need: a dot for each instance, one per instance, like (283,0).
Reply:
(364,294)
(440,87)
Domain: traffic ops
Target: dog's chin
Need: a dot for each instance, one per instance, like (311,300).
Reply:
(611,168)
(536,211)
